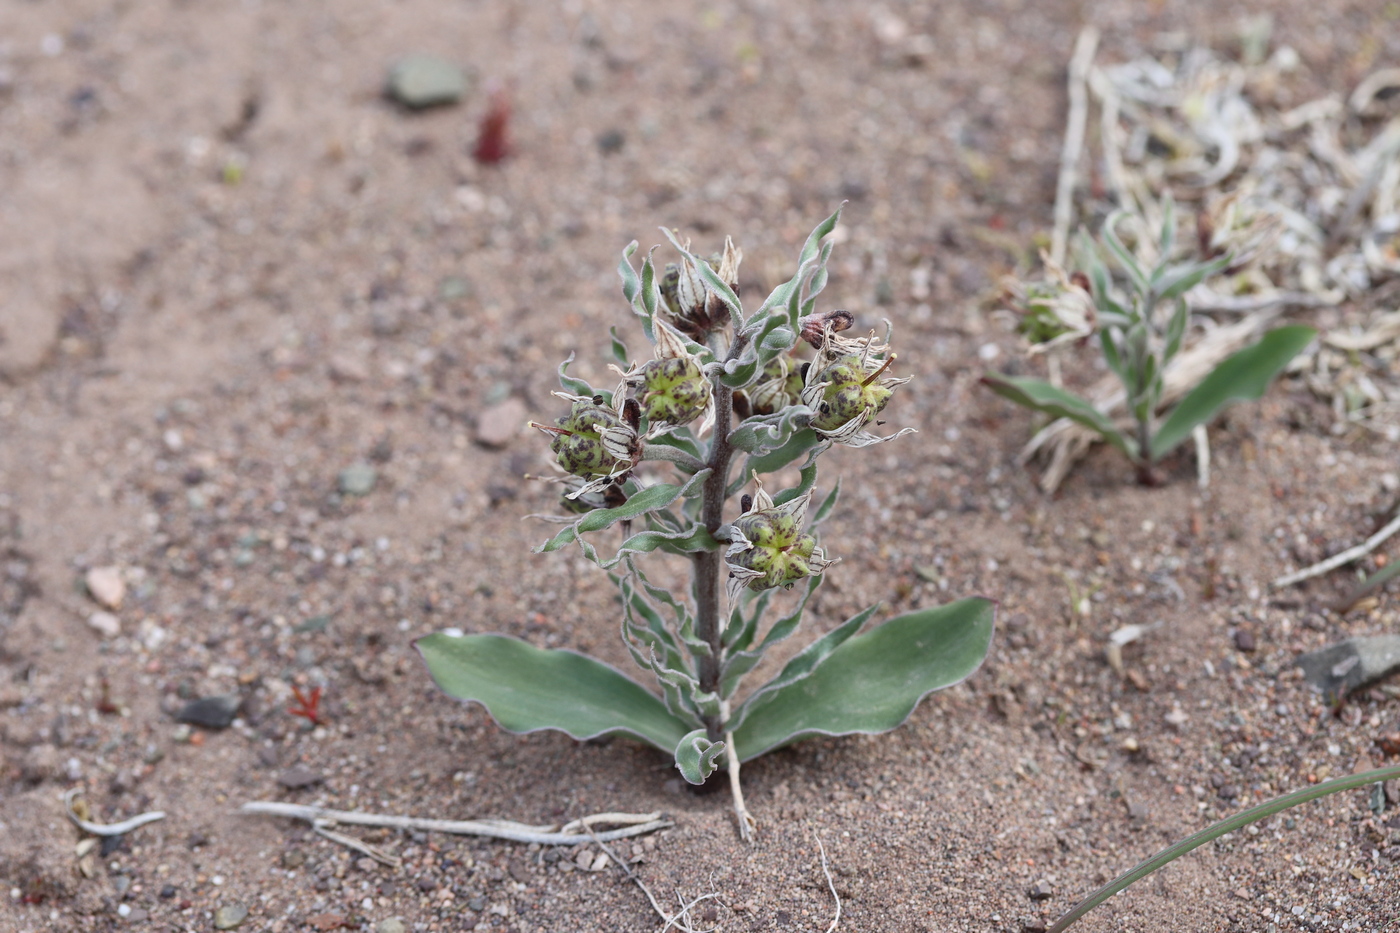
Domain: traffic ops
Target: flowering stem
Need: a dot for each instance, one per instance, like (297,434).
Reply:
(709,565)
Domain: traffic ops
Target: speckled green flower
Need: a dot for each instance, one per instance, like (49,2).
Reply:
(672,389)
(594,442)
(768,548)
(843,392)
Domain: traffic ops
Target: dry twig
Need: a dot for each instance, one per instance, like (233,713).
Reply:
(548,835)
(1337,560)
(106,829)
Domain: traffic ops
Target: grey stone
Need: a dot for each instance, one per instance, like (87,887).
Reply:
(215,712)
(1338,669)
(420,81)
(499,424)
(358,479)
(390,925)
(1042,890)
(298,776)
(230,916)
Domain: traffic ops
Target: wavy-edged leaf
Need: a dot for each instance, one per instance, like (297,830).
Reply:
(1177,280)
(742,627)
(653,497)
(1242,376)
(1126,259)
(1042,396)
(619,348)
(811,249)
(692,540)
(807,478)
(697,757)
(575,386)
(872,682)
(803,441)
(736,374)
(526,689)
(741,660)
(818,280)
(824,510)
(712,280)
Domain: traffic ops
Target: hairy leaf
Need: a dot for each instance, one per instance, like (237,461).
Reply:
(872,682)
(697,757)
(1242,376)
(526,689)
(653,497)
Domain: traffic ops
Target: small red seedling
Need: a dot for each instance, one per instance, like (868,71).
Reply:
(308,705)
(493,138)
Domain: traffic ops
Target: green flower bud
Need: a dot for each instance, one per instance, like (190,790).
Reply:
(674,390)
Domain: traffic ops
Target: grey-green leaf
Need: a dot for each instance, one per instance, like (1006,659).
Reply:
(1042,396)
(1243,376)
(697,757)
(653,497)
(872,682)
(526,689)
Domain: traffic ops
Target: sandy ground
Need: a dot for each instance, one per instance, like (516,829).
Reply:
(230,270)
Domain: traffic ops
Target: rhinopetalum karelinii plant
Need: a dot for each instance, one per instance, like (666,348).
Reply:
(727,398)
(1141,316)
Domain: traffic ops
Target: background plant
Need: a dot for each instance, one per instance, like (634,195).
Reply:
(724,389)
(1137,307)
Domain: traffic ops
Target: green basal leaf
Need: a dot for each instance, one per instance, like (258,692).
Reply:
(1110,351)
(526,689)
(1042,396)
(1243,376)
(653,497)
(872,682)
(697,757)
(806,661)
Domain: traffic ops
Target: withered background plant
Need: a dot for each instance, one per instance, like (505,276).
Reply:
(723,402)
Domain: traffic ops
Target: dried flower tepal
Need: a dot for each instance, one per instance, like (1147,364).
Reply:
(724,392)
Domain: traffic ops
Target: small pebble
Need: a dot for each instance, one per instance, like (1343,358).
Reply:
(299,776)
(358,479)
(230,916)
(1244,640)
(501,423)
(105,585)
(390,925)
(420,81)
(1042,890)
(216,712)
(105,624)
